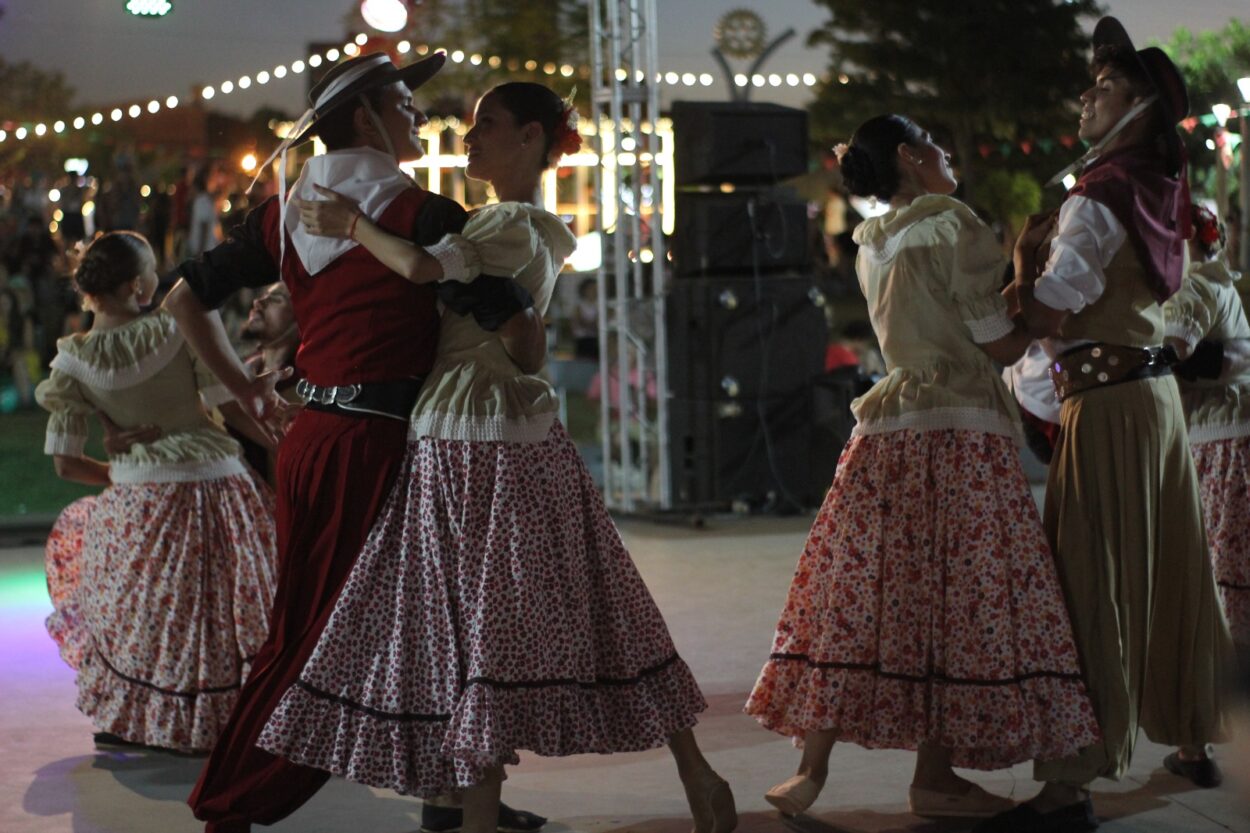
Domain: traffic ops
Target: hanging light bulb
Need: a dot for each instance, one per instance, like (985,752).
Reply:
(385,15)
(149,8)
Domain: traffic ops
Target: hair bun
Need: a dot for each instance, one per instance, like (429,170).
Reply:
(110,260)
(90,275)
(858,174)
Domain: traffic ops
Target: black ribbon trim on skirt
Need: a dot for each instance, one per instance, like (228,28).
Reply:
(597,683)
(1232,586)
(189,695)
(413,717)
(912,678)
(403,717)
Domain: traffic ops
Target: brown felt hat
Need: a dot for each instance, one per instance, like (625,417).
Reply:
(1154,62)
(347,80)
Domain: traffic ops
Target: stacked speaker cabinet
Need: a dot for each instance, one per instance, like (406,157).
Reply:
(737,142)
(746,325)
(744,354)
(732,217)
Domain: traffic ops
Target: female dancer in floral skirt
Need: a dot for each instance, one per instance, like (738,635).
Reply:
(168,596)
(925,612)
(494,607)
(1206,323)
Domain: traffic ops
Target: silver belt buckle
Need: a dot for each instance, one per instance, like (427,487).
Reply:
(328,395)
(344,393)
(305,389)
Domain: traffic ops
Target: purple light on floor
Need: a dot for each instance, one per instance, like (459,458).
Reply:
(25,647)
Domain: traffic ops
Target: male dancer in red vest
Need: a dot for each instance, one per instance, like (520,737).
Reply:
(367,337)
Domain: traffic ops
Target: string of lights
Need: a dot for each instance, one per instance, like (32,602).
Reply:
(149,8)
(10,130)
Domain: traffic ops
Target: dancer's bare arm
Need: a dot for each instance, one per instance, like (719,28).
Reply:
(1039,320)
(338,216)
(81,470)
(1008,349)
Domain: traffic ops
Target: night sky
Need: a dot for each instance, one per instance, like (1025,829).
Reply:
(110,56)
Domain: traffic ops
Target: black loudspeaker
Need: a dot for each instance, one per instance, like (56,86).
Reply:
(745,338)
(777,452)
(745,344)
(749,451)
(832,420)
(740,231)
(754,418)
(737,142)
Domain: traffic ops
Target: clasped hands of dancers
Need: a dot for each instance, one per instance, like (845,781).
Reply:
(435,526)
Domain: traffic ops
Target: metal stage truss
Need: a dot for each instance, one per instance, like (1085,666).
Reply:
(633,355)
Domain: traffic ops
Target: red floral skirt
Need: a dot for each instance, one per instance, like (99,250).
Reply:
(494,608)
(1224,480)
(926,608)
(161,595)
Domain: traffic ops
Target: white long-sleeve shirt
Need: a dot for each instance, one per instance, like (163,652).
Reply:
(1088,236)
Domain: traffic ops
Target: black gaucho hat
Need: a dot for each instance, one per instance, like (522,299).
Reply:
(1154,63)
(347,80)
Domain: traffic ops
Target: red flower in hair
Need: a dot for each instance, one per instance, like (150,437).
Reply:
(566,139)
(1208,233)
(1206,227)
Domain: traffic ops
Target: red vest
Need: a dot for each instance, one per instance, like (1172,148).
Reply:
(358,320)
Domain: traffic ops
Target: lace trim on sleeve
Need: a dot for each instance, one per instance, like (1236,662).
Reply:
(990,328)
(70,445)
(450,255)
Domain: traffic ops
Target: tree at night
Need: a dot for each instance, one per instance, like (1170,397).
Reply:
(30,94)
(1211,63)
(972,72)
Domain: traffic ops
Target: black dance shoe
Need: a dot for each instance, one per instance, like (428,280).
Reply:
(110,739)
(450,819)
(1075,818)
(1204,772)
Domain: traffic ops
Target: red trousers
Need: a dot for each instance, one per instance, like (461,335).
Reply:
(334,474)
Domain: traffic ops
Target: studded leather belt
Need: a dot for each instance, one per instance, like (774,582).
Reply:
(1099,365)
(362,399)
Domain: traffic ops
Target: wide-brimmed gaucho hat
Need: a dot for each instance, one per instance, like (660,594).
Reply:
(1170,94)
(347,80)
(341,85)
(1154,62)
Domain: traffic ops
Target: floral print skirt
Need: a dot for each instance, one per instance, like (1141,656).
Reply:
(62,563)
(161,595)
(926,609)
(494,608)
(1224,480)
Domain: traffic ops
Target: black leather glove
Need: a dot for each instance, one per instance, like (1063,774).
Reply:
(491,300)
(1206,362)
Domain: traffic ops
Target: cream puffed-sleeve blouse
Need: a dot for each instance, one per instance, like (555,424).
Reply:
(1208,306)
(141,373)
(932,273)
(474,391)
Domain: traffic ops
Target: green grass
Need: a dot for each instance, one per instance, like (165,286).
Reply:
(583,416)
(28,484)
